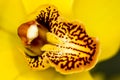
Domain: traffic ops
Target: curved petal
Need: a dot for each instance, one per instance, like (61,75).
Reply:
(11,60)
(101,18)
(11,14)
(80,76)
(65,6)
(52,75)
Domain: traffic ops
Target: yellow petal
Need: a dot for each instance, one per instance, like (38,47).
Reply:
(51,74)
(11,61)
(11,14)
(101,20)
(79,76)
(37,75)
(65,6)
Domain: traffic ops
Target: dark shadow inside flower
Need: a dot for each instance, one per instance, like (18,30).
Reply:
(108,68)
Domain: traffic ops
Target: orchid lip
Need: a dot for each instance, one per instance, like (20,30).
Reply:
(63,45)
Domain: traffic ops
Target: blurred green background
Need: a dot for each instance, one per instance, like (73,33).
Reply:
(109,69)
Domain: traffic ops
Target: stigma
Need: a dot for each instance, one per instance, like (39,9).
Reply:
(32,33)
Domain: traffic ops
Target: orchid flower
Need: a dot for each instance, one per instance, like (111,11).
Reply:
(99,19)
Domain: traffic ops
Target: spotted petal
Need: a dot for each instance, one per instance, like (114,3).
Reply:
(76,52)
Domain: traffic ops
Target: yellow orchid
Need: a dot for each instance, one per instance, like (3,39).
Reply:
(98,16)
